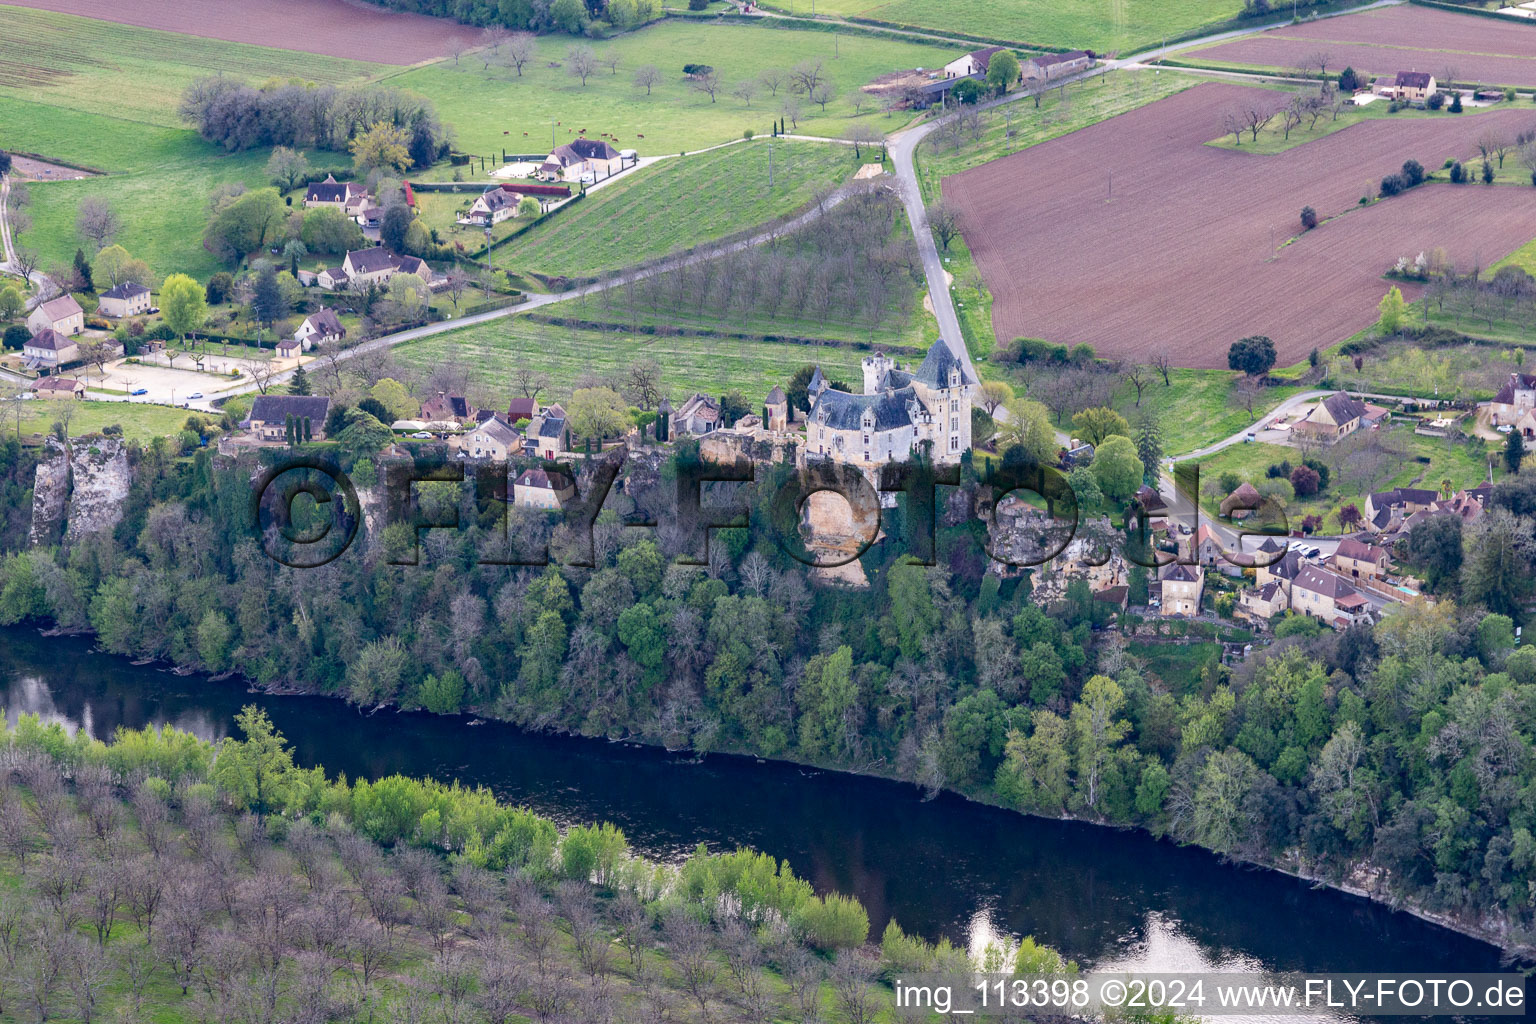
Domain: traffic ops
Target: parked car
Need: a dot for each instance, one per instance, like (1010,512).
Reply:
(422,435)
(194,396)
(152,310)
(136,392)
(1505,428)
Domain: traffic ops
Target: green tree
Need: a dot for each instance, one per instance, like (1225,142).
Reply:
(382,147)
(258,772)
(1117,467)
(1496,563)
(183,306)
(1036,772)
(913,611)
(442,693)
(597,413)
(1392,310)
(391,394)
(836,922)
(11,302)
(1514,451)
(1094,425)
(1096,733)
(213,640)
(114,266)
(268,303)
(826,696)
(375,675)
(286,167)
(1002,71)
(1028,427)
(298,384)
(396,224)
(1149,448)
(1254,355)
(528,206)
(327,229)
(247,225)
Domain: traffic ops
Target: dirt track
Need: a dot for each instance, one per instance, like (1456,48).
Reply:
(1188,256)
(336,28)
(1392,39)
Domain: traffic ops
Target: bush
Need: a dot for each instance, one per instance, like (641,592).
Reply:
(966,91)
(836,922)
(17,336)
(1458,173)
(1308,218)
(1456,103)
(1304,481)
(1392,184)
(1487,173)
(1349,81)
(1413,171)
(1435,101)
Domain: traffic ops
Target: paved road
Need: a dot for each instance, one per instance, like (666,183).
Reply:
(45,285)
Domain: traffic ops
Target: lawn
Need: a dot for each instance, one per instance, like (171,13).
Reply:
(489,352)
(676,204)
(1274,139)
(1101,25)
(1178,666)
(494,109)
(1196,407)
(140,422)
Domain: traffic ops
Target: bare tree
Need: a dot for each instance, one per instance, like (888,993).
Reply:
(688,940)
(863,135)
(1161,363)
(706,80)
(647,76)
(790,108)
(772,78)
(529,381)
(745,90)
(1319,59)
(851,978)
(521,48)
(1256,116)
(24,260)
(806,76)
(944,220)
(1138,377)
(610,60)
(97,221)
(1232,121)
(824,92)
(1293,113)
(580,62)
(495,36)
(642,382)
(456,49)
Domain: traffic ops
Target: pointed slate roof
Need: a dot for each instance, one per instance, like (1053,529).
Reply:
(936,366)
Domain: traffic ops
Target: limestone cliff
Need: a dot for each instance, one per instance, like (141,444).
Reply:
(79,489)
(50,495)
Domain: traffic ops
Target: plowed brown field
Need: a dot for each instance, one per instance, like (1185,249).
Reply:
(336,28)
(1393,39)
(1189,255)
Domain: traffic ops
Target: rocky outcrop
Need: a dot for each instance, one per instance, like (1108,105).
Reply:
(50,495)
(99,484)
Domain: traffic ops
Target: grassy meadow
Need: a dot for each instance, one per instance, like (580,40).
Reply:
(653,210)
(1101,25)
(140,422)
(489,352)
(494,109)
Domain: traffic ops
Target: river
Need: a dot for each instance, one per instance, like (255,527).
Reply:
(1104,897)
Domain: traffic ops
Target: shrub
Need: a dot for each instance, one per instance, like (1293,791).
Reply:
(1308,218)
(1413,171)
(1349,81)
(1487,173)
(1392,184)
(16,336)
(1304,481)
(1456,103)
(836,922)
(1458,173)
(1435,101)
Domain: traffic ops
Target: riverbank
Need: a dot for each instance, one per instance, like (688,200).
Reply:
(988,845)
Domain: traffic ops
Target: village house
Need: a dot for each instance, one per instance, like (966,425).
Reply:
(548,436)
(270,415)
(62,314)
(492,439)
(1327,597)
(1333,418)
(491,207)
(1183,589)
(375,266)
(580,159)
(973,63)
(696,417)
(1385,509)
(446,408)
(346,196)
(48,349)
(319,328)
(522,409)
(58,387)
(1264,601)
(1283,571)
(900,411)
(1356,559)
(1150,500)
(1206,549)
(127,299)
(1050,66)
(538,488)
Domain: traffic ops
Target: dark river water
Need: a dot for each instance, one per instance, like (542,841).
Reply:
(941,867)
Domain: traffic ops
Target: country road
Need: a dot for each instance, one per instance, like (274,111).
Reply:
(45,285)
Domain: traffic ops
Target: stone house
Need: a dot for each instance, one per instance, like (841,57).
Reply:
(62,314)
(126,299)
(1183,589)
(492,439)
(48,349)
(538,488)
(270,415)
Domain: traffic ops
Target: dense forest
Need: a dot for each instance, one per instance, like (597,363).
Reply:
(163,878)
(1395,758)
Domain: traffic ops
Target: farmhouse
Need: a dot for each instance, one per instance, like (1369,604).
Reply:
(1355,558)
(59,387)
(48,349)
(271,414)
(491,207)
(1413,86)
(363,267)
(1265,601)
(1183,589)
(346,196)
(1397,504)
(126,299)
(537,488)
(973,63)
(62,314)
(522,409)
(1333,418)
(698,416)
(492,439)
(446,408)
(319,328)
(581,158)
(1050,66)
(900,410)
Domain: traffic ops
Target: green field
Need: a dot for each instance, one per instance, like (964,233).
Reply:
(1101,25)
(495,109)
(676,204)
(140,422)
(489,352)
(1196,407)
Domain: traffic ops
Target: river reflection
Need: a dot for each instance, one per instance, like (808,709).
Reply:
(945,867)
